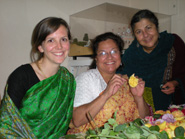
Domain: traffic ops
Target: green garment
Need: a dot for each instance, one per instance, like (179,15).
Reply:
(46,109)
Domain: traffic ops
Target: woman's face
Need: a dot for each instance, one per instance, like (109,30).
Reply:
(146,34)
(56,46)
(108,57)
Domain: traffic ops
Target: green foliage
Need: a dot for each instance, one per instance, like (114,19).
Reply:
(179,131)
(157,116)
(131,130)
(138,122)
(154,128)
(86,37)
(164,135)
(80,43)
(75,41)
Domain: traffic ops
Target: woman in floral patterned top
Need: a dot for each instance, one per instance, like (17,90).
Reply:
(100,92)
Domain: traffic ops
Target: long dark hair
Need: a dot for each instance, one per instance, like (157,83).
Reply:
(103,37)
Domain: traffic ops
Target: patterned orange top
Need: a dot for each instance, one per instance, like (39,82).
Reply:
(122,102)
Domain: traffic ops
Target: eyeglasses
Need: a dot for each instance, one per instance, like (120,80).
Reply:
(105,54)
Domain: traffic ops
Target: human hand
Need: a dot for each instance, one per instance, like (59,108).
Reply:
(139,89)
(169,87)
(114,84)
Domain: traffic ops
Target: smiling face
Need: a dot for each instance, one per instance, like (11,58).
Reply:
(108,57)
(56,46)
(146,34)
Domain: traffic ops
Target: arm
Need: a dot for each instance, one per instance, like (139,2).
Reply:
(137,92)
(16,89)
(80,114)
(178,69)
(19,81)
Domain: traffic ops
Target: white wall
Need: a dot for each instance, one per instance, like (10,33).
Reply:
(18,18)
(178,20)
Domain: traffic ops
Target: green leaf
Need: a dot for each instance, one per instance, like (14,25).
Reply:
(156,116)
(146,132)
(152,136)
(114,126)
(178,137)
(91,132)
(106,125)
(122,135)
(112,133)
(132,129)
(164,135)
(131,123)
(111,121)
(115,113)
(138,121)
(105,132)
(120,127)
(155,132)
(154,128)
(102,138)
(133,136)
(179,131)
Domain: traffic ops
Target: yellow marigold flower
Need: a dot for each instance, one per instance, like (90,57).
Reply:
(177,114)
(168,111)
(160,112)
(179,118)
(133,81)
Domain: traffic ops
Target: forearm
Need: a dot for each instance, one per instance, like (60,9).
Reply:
(143,108)
(81,113)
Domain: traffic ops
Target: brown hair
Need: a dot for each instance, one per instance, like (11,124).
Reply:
(44,28)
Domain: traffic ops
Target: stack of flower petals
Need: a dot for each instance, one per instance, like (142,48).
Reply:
(168,120)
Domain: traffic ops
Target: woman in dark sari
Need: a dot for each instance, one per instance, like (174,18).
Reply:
(38,99)
(159,59)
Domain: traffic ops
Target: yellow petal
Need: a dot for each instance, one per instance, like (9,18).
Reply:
(172,127)
(148,125)
(162,126)
(179,118)
(182,124)
(133,81)
(169,132)
(160,112)
(168,111)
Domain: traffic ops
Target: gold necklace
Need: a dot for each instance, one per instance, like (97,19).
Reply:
(37,63)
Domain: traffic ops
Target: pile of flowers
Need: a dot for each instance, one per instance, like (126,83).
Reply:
(168,120)
(162,125)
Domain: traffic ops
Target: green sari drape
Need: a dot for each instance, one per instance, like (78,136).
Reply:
(46,109)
